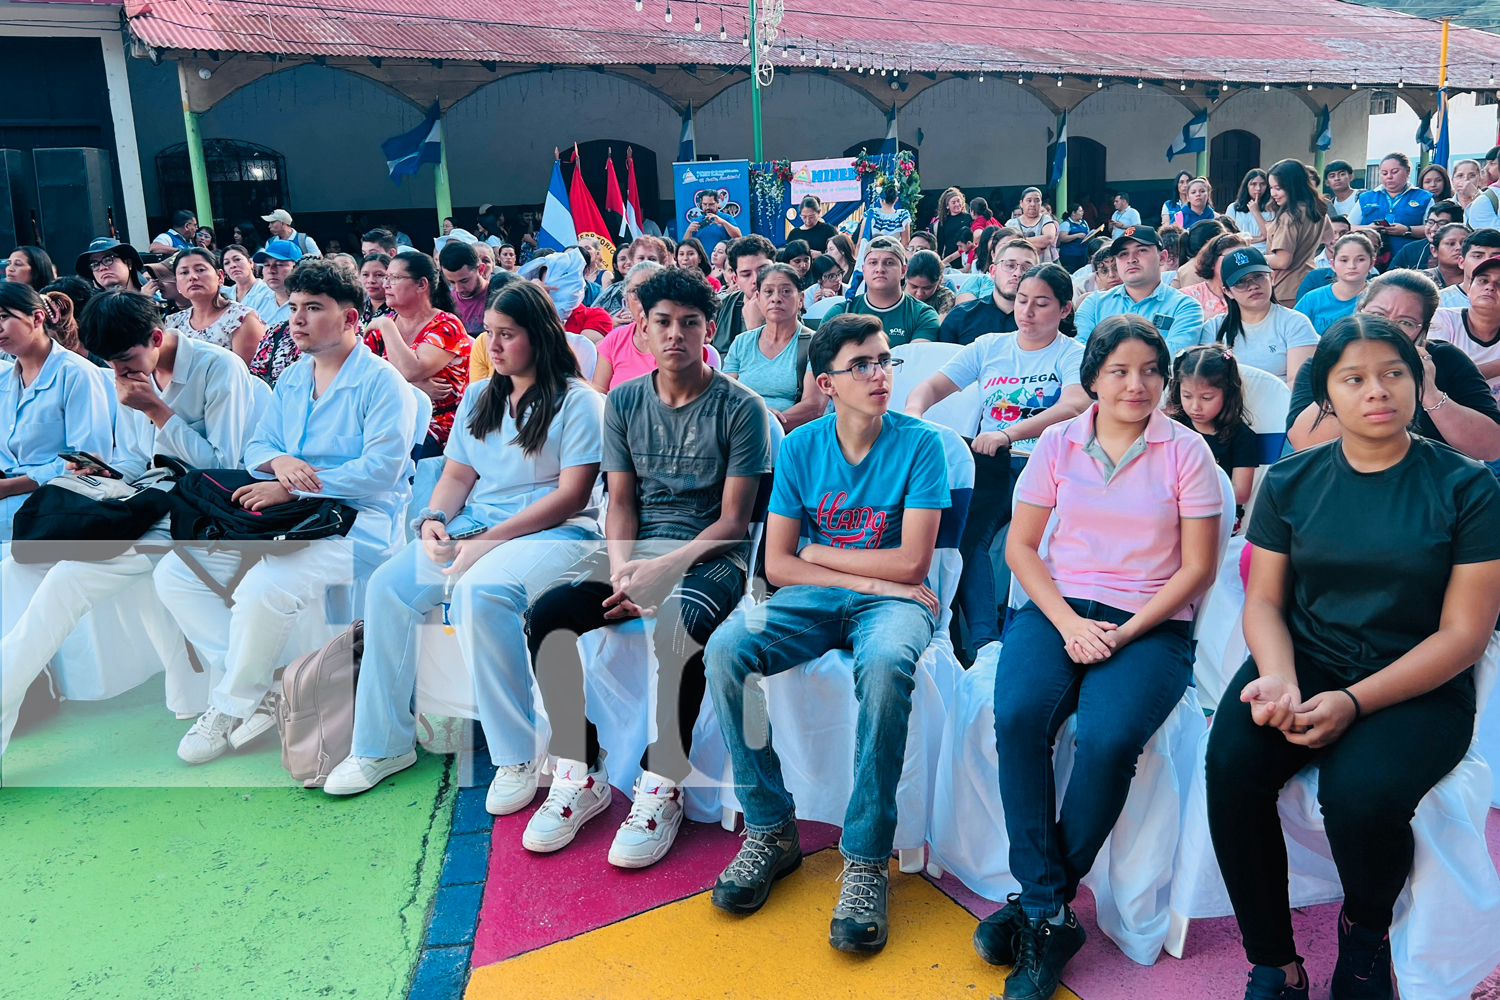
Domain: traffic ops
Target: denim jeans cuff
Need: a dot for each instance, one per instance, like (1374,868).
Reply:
(863,859)
(767,828)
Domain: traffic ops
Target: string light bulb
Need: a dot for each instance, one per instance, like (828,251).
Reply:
(818,59)
(1309,85)
(745,40)
(1182,86)
(1099,84)
(637,6)
(1059,81)
(697,23)
(1139,84)
(1266,86)
(1354,85)
(981,76)
(802,54)
(668,18)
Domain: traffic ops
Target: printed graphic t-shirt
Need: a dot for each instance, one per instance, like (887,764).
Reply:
(1015,384)
(860,506)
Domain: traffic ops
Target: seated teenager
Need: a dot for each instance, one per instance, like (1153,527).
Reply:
(684,451)
(869,487)
(1028,381)
(1475,329)
(902,317)
(1366,672)
(738,310)
(1456,406)
(625,354)
(996,312)
(1107,632)
(51,400)
(179,397)
(341,426)
(521,465)
(1479,246)
(772,359)
(1260,332)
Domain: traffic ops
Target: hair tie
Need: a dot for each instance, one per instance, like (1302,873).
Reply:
(1228,354)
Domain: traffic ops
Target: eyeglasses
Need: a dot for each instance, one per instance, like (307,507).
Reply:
(863,371)
(1410,326)
(101,263)
(391,279)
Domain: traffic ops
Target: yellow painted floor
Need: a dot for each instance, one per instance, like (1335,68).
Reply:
(689,949)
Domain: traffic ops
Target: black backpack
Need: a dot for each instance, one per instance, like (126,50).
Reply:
(87,519)
(202,510)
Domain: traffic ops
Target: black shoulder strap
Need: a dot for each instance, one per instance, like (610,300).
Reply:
(224,591)
(804,343)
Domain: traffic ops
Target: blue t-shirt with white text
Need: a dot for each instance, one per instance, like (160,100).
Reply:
(860,506)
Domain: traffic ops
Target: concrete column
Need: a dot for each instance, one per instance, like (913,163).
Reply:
(127,151)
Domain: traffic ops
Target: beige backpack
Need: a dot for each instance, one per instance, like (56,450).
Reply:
(315,715)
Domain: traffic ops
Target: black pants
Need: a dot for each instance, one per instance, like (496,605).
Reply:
(685,620)
(989,511)
(1369,784)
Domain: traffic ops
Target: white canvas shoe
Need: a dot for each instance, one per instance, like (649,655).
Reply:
(577,796)
(648,832)
(208,738)
(513,788)
(353,775)
(261,721)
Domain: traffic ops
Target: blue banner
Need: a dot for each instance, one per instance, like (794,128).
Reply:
(729,180)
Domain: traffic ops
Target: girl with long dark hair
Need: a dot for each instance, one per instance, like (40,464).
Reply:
(1179,199)
(1293,237)
(509,515)
(1252,208)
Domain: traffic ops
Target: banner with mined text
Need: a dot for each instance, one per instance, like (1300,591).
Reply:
(830,180)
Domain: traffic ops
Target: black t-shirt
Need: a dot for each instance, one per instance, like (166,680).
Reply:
(949,231)
(1455,374)
(968,321)
(1415,256)
(1371,553)
(1242,451)
(817,237)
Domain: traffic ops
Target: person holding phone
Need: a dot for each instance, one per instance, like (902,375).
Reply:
(1396,209)
(710,228)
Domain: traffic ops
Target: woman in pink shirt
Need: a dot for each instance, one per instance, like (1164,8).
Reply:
(1106,634)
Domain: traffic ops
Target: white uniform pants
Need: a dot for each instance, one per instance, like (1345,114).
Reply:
(246,642)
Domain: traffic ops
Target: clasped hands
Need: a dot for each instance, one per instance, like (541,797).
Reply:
(1316,722)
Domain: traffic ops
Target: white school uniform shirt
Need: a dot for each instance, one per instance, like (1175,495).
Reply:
(510,480)
(65,408)
(358,435)
(216,405)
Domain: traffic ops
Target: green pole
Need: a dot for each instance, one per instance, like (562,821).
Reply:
(1202,163)
(196,161)
(1318,156)
(440,182)
(755,85)
(1061,196)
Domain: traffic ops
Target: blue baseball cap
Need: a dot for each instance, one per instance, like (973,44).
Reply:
(1239,263)
(277,250)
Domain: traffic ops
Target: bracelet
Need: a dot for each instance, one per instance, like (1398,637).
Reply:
(1008,441)
(427,514)
(1429,409)
(1358,709)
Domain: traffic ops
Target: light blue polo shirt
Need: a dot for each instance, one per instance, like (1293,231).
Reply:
(1176,316)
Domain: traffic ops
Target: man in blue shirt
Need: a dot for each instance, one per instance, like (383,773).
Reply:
(1124,216)
(1176,316)
(180,236)
(867,487)
(710,227)
(1396,209)
(342,425)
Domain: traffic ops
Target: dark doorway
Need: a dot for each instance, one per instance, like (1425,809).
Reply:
(245,181)
(1086,173)
(593,155)
(1231,155)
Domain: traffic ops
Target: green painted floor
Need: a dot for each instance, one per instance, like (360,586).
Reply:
(261,890)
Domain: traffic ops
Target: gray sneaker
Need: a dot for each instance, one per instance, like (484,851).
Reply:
(764,857)
(859,922)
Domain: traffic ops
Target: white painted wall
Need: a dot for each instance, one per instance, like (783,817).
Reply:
(978,135)
(1473,128)
(1136,127)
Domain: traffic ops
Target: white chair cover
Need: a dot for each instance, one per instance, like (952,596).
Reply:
(111,651)
(1445,936)
(922,359)
(1132,876)
(1221,643)
(814,713)
(1267,401)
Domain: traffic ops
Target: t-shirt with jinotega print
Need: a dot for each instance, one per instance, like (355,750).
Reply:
(1014,383)
(860,506)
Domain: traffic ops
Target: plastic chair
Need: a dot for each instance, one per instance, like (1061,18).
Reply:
(923,359)
(1267,402)
(1445,935)
(1132,875)
(813,710)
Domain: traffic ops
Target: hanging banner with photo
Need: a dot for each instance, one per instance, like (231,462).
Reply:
(728,181)
(830,180)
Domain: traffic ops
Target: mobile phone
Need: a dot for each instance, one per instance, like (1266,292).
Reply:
(90,465)
(470,533)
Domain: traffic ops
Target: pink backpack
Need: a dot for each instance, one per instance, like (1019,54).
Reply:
(315,715)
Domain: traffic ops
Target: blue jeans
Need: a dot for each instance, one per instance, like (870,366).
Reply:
(989,511)
(1120,702)
(887,636)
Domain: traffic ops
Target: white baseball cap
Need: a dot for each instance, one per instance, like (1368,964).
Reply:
(280,215)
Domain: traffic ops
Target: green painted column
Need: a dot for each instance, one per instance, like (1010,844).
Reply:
(440,181)
(755,86)
(198,165)
(1202,163)
(1318,157)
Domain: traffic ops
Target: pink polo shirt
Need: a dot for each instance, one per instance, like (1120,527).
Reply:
(1118,542)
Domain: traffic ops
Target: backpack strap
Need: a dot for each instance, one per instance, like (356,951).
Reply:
(804,344)
(1493,198)
(224,591)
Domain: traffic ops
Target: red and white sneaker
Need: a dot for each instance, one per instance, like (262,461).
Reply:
(577,796)
(655,817)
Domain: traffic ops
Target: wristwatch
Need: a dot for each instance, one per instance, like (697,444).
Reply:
(427,514)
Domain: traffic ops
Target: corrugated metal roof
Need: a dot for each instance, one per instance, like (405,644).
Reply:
(1281,41)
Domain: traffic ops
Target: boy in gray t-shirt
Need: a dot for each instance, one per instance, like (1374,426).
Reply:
(684,452)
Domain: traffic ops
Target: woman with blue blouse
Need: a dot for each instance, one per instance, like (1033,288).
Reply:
(51,400)
(512,511)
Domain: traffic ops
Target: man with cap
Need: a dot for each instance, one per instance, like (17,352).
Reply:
(108,263)
(180,236)
(280,224)
(1176,316)
(902,316)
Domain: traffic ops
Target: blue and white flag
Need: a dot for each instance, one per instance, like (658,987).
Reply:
(1194,137)
(405,153)
(1440,140)
(1324,137)
(687,147)
(1060,154)
(892,144)
(557,216)
(1425,141)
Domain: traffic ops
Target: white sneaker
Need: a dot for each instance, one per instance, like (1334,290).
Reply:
(261,721)
(513,788)
(577,796)
(648,832)
(353,775)
(208,738)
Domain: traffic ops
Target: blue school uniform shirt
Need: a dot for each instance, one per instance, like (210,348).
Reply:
(1409,208)
(65,408)
(358,435)
(509,479)
(860,506)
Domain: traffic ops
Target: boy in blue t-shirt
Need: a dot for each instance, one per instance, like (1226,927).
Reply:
(867,487)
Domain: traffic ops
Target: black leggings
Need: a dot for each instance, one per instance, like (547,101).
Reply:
(1369,784)
(685,620)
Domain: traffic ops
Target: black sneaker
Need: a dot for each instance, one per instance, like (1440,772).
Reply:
(1363,971)
(994,938)
(1267,982)
(859,917)
(1042,949)
(764,857)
